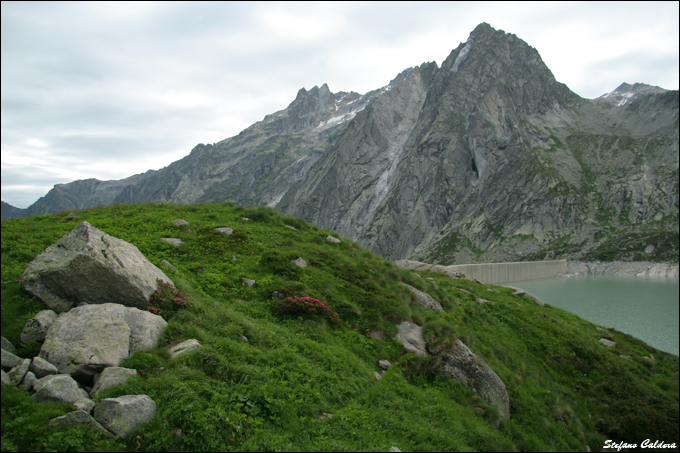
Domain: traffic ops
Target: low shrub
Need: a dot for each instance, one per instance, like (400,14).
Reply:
(306,305)
(167,300)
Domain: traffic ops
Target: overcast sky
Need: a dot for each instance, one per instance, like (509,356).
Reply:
(108,90)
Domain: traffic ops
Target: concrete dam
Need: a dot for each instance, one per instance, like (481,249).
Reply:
(492,273)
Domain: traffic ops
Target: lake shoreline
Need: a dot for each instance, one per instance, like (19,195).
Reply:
(627,268)
(646,308)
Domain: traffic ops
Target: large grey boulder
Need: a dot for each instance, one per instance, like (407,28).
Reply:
(411,336)
(60,388)
(124,414)
(79,417)
(89,266)
(36,327)
(467,367)
(110,377)
(85,340)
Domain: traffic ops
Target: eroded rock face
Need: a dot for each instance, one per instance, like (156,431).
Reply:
(89,266)
(85,340)
(467,367)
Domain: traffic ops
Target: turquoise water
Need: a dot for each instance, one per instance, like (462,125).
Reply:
(644,307)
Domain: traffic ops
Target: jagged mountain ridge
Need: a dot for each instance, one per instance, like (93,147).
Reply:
(625,93)
(486,158)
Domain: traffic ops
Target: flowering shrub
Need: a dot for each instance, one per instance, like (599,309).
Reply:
(168,299)
(306,305)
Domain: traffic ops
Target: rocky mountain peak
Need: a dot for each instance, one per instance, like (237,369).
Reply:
(501,78)
(626,93)
(315,93)
(319,107)
(401,77)
(493,58)
(485,39)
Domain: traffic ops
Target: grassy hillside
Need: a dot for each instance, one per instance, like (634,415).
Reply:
(304,382)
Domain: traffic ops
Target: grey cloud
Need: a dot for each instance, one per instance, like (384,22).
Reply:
(23,197)
(23,185)
(202,17)
(14,175)
(639,66)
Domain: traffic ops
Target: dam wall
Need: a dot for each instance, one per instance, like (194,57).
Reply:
(492,273)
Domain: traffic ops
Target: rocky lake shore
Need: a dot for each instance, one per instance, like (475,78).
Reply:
(632,268)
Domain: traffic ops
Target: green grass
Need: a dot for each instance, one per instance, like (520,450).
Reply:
(303,383)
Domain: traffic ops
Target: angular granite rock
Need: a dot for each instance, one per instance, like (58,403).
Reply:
(89,266)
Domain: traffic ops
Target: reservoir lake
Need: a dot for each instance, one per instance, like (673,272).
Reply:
(644,307)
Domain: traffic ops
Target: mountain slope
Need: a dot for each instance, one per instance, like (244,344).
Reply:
(266,380)
(9,211)
(487,158)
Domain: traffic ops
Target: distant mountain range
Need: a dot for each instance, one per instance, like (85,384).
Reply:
(486,158)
